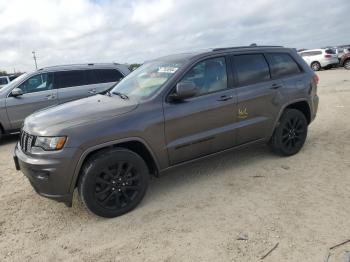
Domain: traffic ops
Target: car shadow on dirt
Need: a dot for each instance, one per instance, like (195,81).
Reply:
(200,171)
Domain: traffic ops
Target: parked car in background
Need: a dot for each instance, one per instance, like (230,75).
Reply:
(4,80)
(169,111)
(320,58)
(340,51)
(51,86)
(345,60)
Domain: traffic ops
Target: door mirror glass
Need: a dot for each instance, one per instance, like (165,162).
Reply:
(16,92)
(184,89)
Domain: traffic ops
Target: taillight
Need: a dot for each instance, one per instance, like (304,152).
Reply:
(316,79)
(328,56)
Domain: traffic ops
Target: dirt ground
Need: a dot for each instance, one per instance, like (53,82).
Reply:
(196,213)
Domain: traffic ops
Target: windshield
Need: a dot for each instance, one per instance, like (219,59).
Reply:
(146,80)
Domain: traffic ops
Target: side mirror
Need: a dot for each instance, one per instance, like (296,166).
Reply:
(184,89)
(16,92)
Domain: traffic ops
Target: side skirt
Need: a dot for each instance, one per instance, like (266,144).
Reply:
(258,141)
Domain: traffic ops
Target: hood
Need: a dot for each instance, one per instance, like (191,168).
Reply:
(78,112)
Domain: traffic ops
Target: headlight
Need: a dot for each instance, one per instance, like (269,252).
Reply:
(50,143)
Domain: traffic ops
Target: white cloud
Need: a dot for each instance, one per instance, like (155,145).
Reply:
(79,31)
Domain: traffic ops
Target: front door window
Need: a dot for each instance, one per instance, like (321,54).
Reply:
(37,83)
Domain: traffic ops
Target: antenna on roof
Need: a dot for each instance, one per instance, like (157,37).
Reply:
(253,45)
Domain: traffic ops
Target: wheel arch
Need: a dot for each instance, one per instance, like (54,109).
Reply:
(301,105)
(135,144)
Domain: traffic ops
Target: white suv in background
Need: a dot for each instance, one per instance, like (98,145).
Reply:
(4,80)
(320,58)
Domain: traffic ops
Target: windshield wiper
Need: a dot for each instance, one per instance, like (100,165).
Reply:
(122,96)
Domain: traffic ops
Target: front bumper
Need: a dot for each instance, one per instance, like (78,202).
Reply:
(49,173)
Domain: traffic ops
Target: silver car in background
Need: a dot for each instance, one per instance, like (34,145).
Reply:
(4,80)
(320,58)
(51,86)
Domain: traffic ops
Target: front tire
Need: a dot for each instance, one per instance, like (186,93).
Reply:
(113,182)
(290,135)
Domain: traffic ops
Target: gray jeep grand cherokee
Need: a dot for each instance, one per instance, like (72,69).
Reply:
(168,112)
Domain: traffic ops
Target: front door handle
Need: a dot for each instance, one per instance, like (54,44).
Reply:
(50,97)
(276,86)
(92,91)
(225,98)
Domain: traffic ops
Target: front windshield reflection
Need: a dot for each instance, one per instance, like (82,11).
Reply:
(147,79)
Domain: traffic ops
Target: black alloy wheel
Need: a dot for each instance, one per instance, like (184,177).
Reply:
(290,135)
(113,182)
(117,186)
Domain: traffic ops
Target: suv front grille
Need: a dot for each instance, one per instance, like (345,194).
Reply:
(26,141)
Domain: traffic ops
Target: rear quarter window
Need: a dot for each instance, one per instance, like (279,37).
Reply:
(251,69)
(282,65)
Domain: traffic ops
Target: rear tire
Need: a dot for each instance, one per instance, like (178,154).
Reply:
(290,135)
(316,66)
(113,182)
(347,64)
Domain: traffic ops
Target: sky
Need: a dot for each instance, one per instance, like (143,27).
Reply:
(127,31)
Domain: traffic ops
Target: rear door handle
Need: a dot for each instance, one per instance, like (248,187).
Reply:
(92,91)
(276,86)
(225,98)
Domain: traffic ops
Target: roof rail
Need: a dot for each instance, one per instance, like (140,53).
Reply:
(241,47)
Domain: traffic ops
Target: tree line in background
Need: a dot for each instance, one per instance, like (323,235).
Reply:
(132,67)
(4,73)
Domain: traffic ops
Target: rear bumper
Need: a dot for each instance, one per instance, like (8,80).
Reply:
(330,62)
(49,174)
(314,105)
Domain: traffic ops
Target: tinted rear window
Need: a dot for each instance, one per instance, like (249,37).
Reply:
(251,69)
(70,78)
(107,75)
(282,65)
(330,51)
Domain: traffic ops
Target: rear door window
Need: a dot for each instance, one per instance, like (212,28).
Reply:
(282,65)
(311,53)
(251,69)
(92,77)
(65,79)
(107,75)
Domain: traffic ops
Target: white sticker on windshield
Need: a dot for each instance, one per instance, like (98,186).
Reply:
(167,69)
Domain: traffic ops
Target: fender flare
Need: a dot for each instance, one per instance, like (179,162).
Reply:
(282,110)
(104,145)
